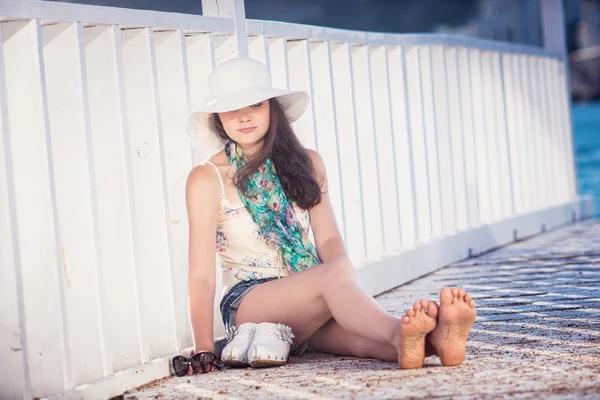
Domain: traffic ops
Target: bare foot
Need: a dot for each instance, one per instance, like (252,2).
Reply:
(410,342)
(456,316)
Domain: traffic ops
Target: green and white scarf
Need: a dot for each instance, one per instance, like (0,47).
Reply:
(273,213)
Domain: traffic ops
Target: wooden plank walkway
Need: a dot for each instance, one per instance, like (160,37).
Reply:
(537,336)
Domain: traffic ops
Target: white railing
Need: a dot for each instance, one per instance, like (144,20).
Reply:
(437,147)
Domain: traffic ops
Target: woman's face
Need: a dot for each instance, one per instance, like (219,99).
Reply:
(248,125)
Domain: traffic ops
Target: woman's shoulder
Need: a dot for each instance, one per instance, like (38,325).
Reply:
(203,176)
(317,161)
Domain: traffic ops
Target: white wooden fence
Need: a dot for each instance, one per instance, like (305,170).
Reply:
(437,147)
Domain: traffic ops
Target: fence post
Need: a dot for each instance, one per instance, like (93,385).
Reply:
(230,9)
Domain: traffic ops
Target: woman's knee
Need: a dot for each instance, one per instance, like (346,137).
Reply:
(339,269)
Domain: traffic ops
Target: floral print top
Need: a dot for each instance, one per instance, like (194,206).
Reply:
(242,251)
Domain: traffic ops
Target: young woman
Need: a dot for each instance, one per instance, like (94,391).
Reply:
(254,202)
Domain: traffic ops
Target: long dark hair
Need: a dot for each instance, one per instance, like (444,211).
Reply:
(292,161)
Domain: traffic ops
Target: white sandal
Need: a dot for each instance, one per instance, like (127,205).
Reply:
(239,338)
(271,345)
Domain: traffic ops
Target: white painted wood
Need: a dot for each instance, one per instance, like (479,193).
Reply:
(278,62)
(351,180)
(172,78)
(327,132)
(548,163)
(526,129)
(376,277)
(13,336)
(503,145)
(535,134)
(455,130)
(469,142)
(201,61)
(419,149)
(444,140)
(431,141)
(119,290)
(258,48)
(386,155)
(402,131)
(301,78)
(558,142)
(520,136)
(480,133)
(149,199)
(235,10)
(225,48)
(567,130)
(513,133)
(77,211)
(489,137)
(552,155)
(39,250)
(367,153)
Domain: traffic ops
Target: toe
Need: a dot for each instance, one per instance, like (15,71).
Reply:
(424,303)
(461,293)
(410,312)
(467,297)
(446,296)
(433,309)
(455,292)
(417,307)
(405,319)
(472,304)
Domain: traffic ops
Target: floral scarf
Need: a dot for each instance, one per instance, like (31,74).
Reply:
(273,213)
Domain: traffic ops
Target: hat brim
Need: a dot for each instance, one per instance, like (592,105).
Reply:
(294,103)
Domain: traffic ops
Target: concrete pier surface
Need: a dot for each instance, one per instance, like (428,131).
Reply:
(537,335)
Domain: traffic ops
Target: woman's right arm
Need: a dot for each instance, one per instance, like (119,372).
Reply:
(202,198)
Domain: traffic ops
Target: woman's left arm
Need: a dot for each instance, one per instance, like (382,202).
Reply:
(328,240)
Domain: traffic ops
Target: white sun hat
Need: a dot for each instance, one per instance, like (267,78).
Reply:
(236,84)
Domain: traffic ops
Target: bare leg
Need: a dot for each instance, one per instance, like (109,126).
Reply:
(307,300)
(333,339)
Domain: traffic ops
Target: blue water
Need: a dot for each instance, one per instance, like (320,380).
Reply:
(586,122)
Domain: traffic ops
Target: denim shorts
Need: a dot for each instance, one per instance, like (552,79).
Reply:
(229,306)
(232,300)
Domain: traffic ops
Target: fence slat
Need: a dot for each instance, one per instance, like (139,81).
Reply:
(258,48)
(431,141)
(444,139)
(108,132)
(469,139)
(385,149)
(419,149)
(148,194)
(567,131)
(77,211)
(502,145)
(40,255)
(278,62)
(402,131)
(172,77)
(489,136)
(327,133)
(367,149)
(480,134)
(510,77)
(301,78)
(14,350)
(457,138)
(345,112)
